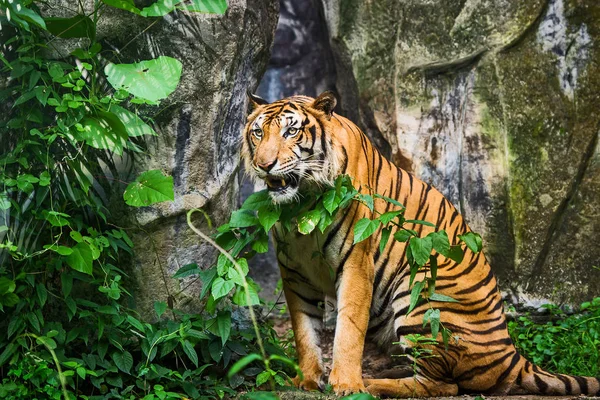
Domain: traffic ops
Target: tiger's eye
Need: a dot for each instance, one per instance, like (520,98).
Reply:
(257,133)
(292,131)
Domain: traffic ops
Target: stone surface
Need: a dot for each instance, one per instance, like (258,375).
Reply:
(199,131)
(497,104)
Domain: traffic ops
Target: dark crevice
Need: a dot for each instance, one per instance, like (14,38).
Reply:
(559,215)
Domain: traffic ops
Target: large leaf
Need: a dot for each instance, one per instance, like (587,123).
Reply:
(160,8)
(364,228)
(123,5)
(105,131)
(188,349)
(81,258)
(123,361)
(267,216)
(79,26)
(149,188)
(151,80)
(473,241)
(134,126)
(206,6)
(308,221)
(421,249)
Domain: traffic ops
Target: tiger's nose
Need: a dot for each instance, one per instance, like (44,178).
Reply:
(266,166)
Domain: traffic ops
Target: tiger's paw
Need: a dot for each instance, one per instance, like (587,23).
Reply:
(342,386)
(308,383)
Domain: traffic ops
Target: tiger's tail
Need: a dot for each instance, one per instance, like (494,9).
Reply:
(534,380)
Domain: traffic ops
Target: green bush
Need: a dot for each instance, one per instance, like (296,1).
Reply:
(567,344)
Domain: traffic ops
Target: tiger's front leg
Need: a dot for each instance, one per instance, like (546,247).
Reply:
(306,320)
(354,295)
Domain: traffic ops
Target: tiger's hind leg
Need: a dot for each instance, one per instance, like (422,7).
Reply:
(414,386)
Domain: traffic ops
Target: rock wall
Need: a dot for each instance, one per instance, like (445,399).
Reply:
(199,132)
(497,104)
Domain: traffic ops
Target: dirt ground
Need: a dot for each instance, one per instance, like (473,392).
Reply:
(378,364)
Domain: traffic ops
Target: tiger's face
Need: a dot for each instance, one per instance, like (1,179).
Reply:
(285,144)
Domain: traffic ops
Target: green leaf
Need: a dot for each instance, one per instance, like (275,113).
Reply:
(420,249)
(28,15)
(308,221)
(159,8)
(257,200)
(367,200)
(123,361)
(261,244)
(385,218)
(241,363)
(224,326)
(364,228)
(149,188)
(186,270)
(402,235)
(8,351)
(420,222)
(359,396)
(7,285)
(456,253)
(205,6)
(151,80)
(385,235)
(42,293)
(189,350)
(473,241)
(242,219)
(123,5)
(207,278)
(262,378)
(223,264)
(66,281)
(104,131)
(268,216)
(440,242)
(221,287)
(79,26)
(134,125)
(331,201)
(81,258)
(433,317)
(415,295)
(135,323)
(442,297)
(240,299)
(160,307)
(389,200)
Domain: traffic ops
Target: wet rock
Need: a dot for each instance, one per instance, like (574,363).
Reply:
(496,104)
(199,132)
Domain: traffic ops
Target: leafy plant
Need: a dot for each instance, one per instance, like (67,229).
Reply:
(567,344)
(66,330)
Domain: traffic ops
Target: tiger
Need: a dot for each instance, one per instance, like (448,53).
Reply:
(299,144)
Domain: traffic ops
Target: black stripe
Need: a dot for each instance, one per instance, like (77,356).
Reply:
(541,385)
(485,368)
(506,372)
(478,285)
(582,383)
(307,300)
(334,231)
(567,381)
(345,164)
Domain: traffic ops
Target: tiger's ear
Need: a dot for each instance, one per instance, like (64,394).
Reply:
(325,102)
(254,101)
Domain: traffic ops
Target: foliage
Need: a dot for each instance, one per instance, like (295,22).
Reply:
(66,329)
(567,344)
